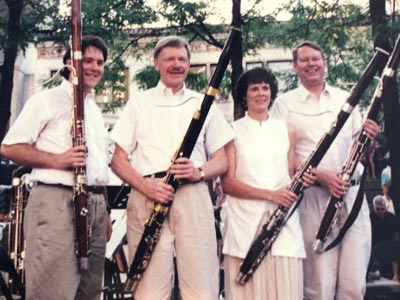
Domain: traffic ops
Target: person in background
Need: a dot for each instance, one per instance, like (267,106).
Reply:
(384,228)
(386,180)
(146,136)
(41,138)
(310,109)
(261,163)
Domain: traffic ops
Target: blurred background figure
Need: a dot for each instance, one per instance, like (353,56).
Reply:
(384,230)
(386,176)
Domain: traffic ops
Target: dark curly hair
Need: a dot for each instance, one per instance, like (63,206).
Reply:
(256,75)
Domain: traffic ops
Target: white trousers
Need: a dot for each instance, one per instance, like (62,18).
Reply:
(188,232)
(340,273)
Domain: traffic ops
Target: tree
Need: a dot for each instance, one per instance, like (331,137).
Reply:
(33,22)
(19,19)
(384,35)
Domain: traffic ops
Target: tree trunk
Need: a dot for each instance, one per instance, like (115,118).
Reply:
(237,60)
(10,55)
(390,99)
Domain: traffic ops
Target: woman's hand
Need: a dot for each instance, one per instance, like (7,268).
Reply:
(283,196)
(309,178)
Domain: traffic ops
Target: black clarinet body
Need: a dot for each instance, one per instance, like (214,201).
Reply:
(271,229)
(360,143)
(152,227)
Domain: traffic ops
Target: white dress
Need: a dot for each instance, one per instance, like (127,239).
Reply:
(262,162)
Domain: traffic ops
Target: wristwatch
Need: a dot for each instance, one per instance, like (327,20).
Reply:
(201,174)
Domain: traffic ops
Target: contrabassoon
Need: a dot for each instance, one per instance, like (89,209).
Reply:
(360,143)
(271,229)
(80,193)
(152,227)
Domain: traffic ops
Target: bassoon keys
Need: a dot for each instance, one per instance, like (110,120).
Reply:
(80,193)
(152,227)
(360,143)
(271,229)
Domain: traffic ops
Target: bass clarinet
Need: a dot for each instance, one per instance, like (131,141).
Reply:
(152,227)
(360,142)
(80,193)
(271,229)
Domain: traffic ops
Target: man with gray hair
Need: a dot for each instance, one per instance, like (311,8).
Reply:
(146,136)
(384,228)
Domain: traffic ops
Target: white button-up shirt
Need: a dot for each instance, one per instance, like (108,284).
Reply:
(313,117)
(46,122)
(153,124)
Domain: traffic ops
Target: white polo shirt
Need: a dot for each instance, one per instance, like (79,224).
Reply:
(46,121)
(152,126)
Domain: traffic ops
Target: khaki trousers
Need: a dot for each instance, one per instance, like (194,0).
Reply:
(340,273)
(189,233)
(51,264)
(276,278)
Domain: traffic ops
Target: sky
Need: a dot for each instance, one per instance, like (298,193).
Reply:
(223,7)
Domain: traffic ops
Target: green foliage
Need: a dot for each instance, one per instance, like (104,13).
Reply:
(338,28)
(129,28)
(147,78)
(196,81)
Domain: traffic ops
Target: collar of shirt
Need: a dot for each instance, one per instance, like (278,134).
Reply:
(168,98)
(254,123)
(68,88)
(305,94)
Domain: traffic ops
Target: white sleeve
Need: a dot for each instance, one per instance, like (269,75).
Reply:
(125,130)
(29,123)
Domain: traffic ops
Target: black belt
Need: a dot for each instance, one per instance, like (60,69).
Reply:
(352,182)
(161,174)
(95,189)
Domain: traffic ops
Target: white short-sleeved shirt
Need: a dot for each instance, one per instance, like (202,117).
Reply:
(311,118)
(262,162)
(152,126)
(46,121)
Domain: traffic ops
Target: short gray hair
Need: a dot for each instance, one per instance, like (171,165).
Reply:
(380,200)
(171,41)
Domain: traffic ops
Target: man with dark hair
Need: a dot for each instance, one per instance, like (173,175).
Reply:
(41,138)
(310,109)
(146,136)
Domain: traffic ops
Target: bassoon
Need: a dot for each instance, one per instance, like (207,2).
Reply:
(360,143)
(80,193)
(271,229)
(16,240)
(19,198)
(152,227)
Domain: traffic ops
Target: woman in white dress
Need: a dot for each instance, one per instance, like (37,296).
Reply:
(261,163)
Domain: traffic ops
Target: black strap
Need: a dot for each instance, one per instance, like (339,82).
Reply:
(353,213)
